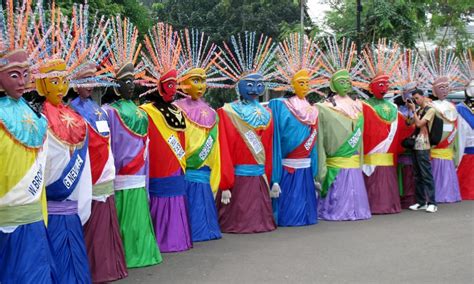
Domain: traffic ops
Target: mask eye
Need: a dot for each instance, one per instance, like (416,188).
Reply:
(170,85)
(25,74)
(259,85)
(196,81)
(14,75)
(249,84)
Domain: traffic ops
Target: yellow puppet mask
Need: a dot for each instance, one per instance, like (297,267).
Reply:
(53,87)
(300,83)
(194,83)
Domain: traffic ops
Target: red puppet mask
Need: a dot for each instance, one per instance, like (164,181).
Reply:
(379,85)
(168,85)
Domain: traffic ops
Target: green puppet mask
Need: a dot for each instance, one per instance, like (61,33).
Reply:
(341,82)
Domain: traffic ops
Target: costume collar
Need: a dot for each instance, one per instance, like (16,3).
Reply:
(22,123)
(132,117)
(65,124)
(173,116)
(446,109)
(302,109)
(198,112)
(346,105)
(91,112)
(252,113)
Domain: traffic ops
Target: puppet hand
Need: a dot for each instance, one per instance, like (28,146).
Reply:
(225,198)
(276,190)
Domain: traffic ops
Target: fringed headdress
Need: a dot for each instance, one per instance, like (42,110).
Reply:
(124,50)
(16,34)
(198,53)
(60,45)
(295,54)
(338,60)
(466,64)
(379,61)
(411,72)
(163,50)
(443,67)
(247,55)
(94,41)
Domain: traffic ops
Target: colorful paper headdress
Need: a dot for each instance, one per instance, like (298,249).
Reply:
(15,34)
(379,61)
(442,65)
(198,53)
(60,45)
(125,48)
(338,60)
(246,56)
(411,72)
(295,54)
(467,68)
(163,51)
(93,42)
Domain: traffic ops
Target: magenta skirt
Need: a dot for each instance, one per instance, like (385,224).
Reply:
(250,207)
(103,242)
(382,190)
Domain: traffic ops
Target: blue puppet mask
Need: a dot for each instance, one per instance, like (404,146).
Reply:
(251,87)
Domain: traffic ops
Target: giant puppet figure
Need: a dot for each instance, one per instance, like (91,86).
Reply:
(129,143)
(442,74)
(202,145)
(466,129)
(343,192)
(381,127)
(409,76)
(245,136)
(295,121)
(67,173)
(169,206)
(25,252)
(101,232)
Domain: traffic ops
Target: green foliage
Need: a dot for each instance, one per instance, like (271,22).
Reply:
(404,21)
(222,18)
(395,20)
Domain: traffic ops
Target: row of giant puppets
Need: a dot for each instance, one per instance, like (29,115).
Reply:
(88,191)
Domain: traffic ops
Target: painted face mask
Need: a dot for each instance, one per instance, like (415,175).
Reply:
(300,83)
(441,87)
(379,85)
(14,73)
(87,71)
(195,83)
(251,87)
(125,79)
(340,82)
(168,85)
(54,88)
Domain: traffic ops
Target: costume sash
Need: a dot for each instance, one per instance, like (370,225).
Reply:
(381,148)
(24,203)
(196,160)
(99,154)
(168,134)
(248,134)
(305,148)
(344,157)
(449,139)
(67,182)
(136,163)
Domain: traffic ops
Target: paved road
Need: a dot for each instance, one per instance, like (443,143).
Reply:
(411,247)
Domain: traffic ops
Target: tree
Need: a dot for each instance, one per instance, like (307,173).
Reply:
(393,19)
(405,21)
(222,18)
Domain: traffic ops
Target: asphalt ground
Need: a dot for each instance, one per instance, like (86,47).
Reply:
(410,247)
